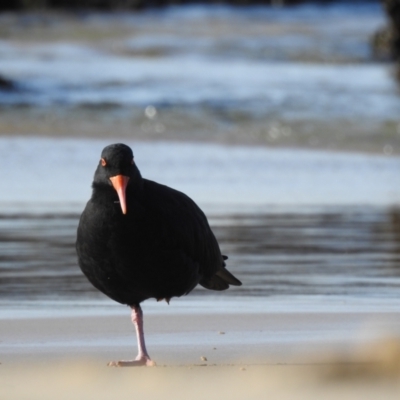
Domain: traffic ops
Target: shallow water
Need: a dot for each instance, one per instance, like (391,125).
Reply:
(341,252)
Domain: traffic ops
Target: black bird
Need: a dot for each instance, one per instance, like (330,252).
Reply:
(138,239)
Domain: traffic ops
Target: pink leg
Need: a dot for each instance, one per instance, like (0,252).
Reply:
(143,357)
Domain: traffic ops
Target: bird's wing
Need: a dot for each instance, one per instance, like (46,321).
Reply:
(184,226)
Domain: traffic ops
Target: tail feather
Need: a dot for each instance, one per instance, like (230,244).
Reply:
(215,283)
(228,277)
(221,279)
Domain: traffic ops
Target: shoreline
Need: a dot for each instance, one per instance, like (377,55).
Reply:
(250,329)
(380,137)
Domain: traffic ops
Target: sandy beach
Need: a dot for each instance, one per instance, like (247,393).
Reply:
(90,381)
(296,354)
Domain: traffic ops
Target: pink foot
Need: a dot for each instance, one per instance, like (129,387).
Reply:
(133,363)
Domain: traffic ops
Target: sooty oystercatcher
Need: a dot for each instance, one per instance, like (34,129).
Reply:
(138,239)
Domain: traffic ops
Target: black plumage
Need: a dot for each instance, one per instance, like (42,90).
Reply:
(138,239)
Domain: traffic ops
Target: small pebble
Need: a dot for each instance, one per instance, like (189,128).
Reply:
(202,358)
(214,348)
(221,333)
(243,369)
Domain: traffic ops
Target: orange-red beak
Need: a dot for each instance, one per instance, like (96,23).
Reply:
(119,183)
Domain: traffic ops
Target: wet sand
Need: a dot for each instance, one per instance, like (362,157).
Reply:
(340,135)
(182,339)
(248,355)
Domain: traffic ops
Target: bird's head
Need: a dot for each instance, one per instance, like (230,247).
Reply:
(117,169)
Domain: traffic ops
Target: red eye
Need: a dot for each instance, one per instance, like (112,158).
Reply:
(103,162)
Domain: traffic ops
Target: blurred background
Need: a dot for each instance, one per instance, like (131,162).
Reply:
(280,118)
(314,75)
